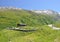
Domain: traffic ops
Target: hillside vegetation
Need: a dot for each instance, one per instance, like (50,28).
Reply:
(10,18)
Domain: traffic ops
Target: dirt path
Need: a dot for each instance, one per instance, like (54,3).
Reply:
(53,27)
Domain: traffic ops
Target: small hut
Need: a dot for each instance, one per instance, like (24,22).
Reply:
(22,28)
(21,25)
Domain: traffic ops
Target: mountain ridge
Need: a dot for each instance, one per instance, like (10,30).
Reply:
(46,11)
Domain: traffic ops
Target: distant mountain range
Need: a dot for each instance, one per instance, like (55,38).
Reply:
(36,11)
(45,11)
(11,8)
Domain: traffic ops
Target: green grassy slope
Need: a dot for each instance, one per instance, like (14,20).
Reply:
(9,18)
(43,34)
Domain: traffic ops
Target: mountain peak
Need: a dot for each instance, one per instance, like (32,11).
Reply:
(45,11)
(11,8)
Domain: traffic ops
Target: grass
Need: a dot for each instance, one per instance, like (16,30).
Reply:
(10,18)
(43,34)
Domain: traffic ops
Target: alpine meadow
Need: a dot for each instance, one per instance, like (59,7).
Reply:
(36,27)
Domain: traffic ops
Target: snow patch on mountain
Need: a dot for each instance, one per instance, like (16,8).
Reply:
(45,11)
(11,8)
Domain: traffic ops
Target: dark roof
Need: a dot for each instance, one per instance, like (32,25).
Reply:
(21,24)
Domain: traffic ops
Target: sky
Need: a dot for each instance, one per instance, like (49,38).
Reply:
(32,4)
